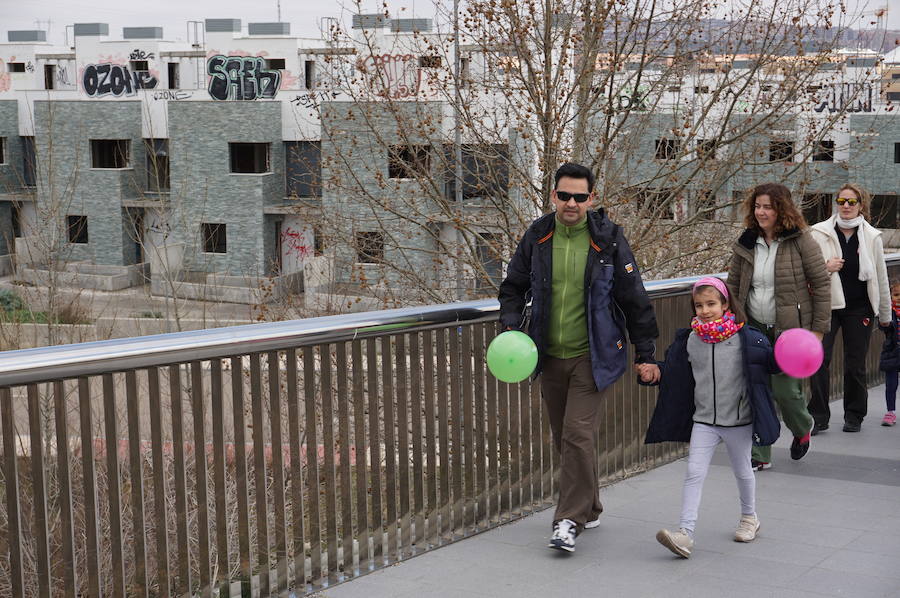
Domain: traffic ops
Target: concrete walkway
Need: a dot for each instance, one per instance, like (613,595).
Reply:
(830,527)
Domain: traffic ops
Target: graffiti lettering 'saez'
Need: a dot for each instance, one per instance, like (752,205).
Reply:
(104,79)
(241,78)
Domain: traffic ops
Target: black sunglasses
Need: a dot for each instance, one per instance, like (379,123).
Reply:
(565,196)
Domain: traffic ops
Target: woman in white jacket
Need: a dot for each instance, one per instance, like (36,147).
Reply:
(854,256)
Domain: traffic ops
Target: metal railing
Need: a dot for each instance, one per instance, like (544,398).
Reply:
(282,457)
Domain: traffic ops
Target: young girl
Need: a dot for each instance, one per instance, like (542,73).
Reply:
(714,387)
(890,357)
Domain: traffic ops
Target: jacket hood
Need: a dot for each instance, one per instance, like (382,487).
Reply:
(601,228)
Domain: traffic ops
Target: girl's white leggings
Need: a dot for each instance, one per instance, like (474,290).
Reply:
(704,439)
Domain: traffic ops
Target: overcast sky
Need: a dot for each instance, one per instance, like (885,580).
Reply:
(303,15)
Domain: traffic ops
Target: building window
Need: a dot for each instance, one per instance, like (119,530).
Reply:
(701,89)
(157,164)
(29,162)
(139,65)
(884,211)
(303,168)
(674,88)
(408,161)
(781,151)
(706,149)
(667,149)
(173,75)
(487,248)
(897,153)
(275,64)
(49,76)
(485,171)
(369,248)
(824,151)
(318,242)
(2,150)
(816,207)
(109,153)
(250,158)
(16,219)
(213,237)
(706,205)
(309,74)
(15,67)
(430,62)
(77,227)
(656,204)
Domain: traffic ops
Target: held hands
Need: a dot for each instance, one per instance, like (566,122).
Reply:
(648,372)
(834,264)
(819,335)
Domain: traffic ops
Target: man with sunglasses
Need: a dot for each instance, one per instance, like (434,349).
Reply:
(585,291)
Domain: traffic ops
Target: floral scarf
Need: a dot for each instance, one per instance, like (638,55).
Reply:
(717,330)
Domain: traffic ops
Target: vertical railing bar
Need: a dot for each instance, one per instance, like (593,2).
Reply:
(458,498)
(66,533)
(481,487)
(346,466)
(515,457)
(492,507)
(159,483)
(259,475)
(377,526)
(185,583)
(468,452)
(13,517)
(91,512)
(277,470)
(39,488)
(430,439)
(415,360)
(197,415)
(298,550)
(359,429)
(537,444)
(240,464)
(401,355)
(443,435)
(110,418)
(139,525)
(223,573)
(312,464)
(329,471)
(504,478)
(525,445)
(390,447)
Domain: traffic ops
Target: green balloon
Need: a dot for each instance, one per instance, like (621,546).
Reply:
(512,356)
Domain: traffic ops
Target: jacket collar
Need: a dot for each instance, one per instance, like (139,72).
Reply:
(601,228)
(749,236)
(827,227)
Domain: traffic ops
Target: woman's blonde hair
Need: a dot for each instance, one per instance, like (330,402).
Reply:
(789,217)
(865,200)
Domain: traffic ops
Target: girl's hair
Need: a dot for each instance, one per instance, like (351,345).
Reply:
(865,200)
(788,215)
(733,307)
(894,282)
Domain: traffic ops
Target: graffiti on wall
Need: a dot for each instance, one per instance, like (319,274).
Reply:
(241,78)
(295,243)
(104,79)
(397,75)
(849,97)
(138,54)
(4,77)
(175,95)
(313,98)
(29,67)
(62,75)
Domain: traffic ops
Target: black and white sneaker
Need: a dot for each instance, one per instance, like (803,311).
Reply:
(563,537)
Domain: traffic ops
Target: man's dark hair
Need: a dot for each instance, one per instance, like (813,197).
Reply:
(575,171)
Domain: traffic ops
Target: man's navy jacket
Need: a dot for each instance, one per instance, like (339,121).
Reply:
(615,298)
(673,417)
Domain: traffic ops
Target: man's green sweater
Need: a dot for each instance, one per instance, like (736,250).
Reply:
(567,333)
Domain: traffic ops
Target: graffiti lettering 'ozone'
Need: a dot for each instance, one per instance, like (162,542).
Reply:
(241,78)
(104,79)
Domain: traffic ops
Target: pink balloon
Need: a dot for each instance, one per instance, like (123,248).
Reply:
(798,353)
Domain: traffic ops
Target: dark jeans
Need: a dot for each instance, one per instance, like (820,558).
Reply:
(890,390)
(574,407)
(856,324)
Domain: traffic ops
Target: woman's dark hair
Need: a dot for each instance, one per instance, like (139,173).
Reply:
(575,171)
(733,307)
(789,217)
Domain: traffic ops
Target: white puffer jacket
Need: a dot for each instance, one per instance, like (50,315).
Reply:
(870,242)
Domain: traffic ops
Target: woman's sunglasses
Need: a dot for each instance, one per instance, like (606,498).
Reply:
(565,196)
(841,201)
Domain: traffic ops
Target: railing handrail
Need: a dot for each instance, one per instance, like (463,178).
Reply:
(26,366)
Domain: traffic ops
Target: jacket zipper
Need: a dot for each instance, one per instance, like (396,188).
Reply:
(715,416)
(565,291)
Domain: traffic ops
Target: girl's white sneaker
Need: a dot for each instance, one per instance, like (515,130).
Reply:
(679,542)
(747,529)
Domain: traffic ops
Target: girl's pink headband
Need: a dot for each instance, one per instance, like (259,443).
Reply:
(711,281)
